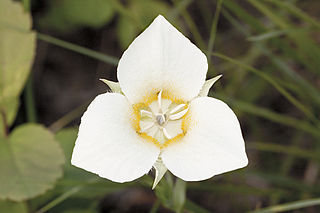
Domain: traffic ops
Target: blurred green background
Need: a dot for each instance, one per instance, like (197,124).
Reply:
(52,54)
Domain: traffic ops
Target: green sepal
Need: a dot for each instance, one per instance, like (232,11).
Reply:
(207,85)
(114,86)
(161,169)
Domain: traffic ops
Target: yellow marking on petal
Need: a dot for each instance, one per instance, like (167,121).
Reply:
(150,139)
(186,122)
(177,138)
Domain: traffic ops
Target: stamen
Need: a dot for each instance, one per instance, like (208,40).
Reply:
(166,134)
(178,115)
(146,113)
(147,127)
(177,108)
(159,100)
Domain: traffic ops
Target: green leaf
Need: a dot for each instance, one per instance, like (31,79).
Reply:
(12,207)
(30,162)
(67,15)
(114,86)
(17,48)
(207,85)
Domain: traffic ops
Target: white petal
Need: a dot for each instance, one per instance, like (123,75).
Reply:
(107,143)
(212,145)
(162,58)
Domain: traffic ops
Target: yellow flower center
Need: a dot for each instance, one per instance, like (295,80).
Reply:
(161,118)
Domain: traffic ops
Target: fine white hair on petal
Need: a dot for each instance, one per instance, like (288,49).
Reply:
(162,58)
(107,143)
(212,145)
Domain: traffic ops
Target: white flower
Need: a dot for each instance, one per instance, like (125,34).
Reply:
(159,118)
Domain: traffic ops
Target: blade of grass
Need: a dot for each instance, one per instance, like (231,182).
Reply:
(283,149)
(296,11)
(276,33)
(289,206)
(70,116)
(283,182)
(213,30)
(59,199)
(284,44)
(308,49)
(182,5)
(65,196)
(192,26)
(193,207)
(269,79)
(308,89)
(230,188)
(79,49)
(270,115)
(244,15)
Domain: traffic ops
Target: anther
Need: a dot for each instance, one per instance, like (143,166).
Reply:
(178,115)
(166,134)
(146,113)
(159,100)
(177,108)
